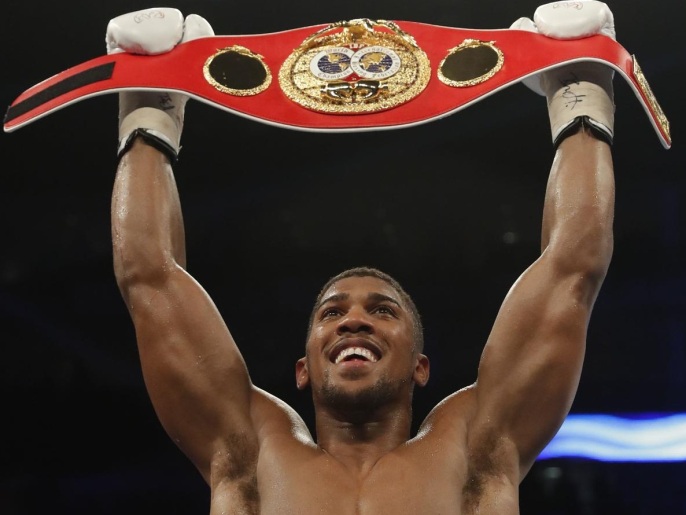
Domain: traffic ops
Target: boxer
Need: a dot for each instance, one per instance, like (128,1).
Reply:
(364,354)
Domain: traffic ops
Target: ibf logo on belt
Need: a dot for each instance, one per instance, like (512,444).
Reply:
(357,66)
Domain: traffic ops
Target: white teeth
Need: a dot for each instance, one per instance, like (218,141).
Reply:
(360,351)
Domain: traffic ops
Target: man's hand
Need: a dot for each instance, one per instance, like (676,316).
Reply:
(570,20)
(580,92)
(155,116)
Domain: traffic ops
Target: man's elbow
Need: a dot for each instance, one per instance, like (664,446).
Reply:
(586,258)
(140,264)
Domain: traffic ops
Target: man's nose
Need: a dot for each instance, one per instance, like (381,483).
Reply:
(355,321)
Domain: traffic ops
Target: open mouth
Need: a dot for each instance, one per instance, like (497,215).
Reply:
(355,353)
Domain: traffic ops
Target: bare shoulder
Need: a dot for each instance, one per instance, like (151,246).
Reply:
(272,417)
(260,458)
(452,414)
(489,461)
(443,434)
(274,426)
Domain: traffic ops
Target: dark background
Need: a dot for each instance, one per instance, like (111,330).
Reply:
(451,208)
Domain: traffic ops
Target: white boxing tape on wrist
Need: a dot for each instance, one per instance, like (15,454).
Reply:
(581,99)
(173,104)
(156,124)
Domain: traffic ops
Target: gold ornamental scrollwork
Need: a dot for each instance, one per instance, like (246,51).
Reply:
(356,66)
(650,97)
(470,63)
(237,71)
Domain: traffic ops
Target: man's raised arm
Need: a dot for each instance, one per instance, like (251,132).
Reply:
(531,365)
(194,373)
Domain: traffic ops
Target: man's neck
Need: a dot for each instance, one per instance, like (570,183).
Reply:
(360,444)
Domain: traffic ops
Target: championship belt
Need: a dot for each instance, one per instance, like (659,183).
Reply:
(347,76)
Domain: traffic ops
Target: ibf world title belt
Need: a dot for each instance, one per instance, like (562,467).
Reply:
(347,76)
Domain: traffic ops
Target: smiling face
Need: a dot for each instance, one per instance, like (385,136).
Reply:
(361,351)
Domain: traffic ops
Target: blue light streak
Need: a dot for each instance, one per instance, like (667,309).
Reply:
(635,438)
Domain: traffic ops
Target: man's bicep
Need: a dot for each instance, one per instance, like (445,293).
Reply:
(194,373)
(530,367)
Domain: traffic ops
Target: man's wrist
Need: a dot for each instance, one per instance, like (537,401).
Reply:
(581,102)
(149,138)
(155,127)
(582,123)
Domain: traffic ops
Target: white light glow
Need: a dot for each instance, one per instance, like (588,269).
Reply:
(645,438)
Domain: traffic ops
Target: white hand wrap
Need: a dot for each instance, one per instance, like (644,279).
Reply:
(157,116)
(581,92)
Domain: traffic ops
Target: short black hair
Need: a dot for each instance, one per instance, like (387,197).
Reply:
(365,271)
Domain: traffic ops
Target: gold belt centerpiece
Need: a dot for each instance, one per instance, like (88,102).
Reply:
(356,66)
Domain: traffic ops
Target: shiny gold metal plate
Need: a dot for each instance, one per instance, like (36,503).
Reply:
(356,66)
(471,62)
(237,71)
(650,97)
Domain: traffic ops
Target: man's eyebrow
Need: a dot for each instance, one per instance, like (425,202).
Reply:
(373,296)
(380,297)
(336,297)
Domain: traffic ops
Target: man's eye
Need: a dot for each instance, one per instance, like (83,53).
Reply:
(384,310)
(330,312)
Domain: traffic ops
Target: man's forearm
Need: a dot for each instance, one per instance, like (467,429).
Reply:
(579,204)
(147,226)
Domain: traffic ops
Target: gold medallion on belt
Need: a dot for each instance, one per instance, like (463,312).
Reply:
(353,67)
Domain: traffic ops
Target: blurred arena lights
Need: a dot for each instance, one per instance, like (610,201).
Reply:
(627,438)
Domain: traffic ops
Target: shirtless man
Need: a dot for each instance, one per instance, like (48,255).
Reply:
(364,347)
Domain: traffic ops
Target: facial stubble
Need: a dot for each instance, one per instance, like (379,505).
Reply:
(365,400)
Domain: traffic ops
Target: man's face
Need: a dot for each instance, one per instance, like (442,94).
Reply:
(361,345)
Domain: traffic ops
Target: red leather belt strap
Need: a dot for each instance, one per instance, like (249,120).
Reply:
(524,53)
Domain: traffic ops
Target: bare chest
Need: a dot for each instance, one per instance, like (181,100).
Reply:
(396,485)
(433,479)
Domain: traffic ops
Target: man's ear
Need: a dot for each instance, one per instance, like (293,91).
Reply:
(302,375)
(421,370)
